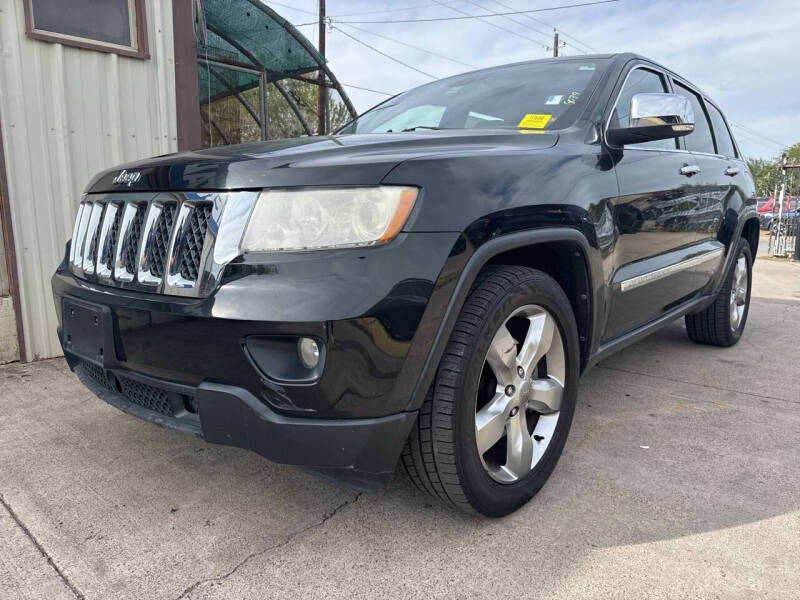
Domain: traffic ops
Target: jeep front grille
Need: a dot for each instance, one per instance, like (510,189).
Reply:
(129,250)
(161,235)
(193,242)
(160,243)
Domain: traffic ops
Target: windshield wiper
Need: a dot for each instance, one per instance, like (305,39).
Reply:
(415,127)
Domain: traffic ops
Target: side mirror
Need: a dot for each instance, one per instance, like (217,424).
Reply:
(654,117)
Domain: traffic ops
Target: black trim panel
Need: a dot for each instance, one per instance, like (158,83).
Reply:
(362,453)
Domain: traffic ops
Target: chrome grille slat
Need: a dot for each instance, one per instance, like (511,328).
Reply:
(158,242)
(121,273)
(130,251)
(80,237)
(113,236)
(144,274)
(90,245)
(174,278)
(194,240)
(155,242)
(161,237)
(75,232)
(106,240)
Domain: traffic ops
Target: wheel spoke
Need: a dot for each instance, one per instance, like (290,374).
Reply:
(490,422)
(519,453)
(502,356)
(741,294)
(545,395)
(741,269)
(537,341)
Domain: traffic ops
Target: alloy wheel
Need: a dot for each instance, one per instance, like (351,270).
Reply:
(519,394)
(738,292)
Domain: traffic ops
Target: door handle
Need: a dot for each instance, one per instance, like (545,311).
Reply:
(689,170)
(732,171)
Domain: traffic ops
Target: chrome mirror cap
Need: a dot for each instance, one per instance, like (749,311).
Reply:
(654,117)
(648,110)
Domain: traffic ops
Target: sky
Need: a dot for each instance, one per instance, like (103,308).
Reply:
(741,53)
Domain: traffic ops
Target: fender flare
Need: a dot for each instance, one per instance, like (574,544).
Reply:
(476,262)
(729,241)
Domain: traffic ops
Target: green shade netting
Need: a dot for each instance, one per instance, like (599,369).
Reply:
(255,32)
(212,87)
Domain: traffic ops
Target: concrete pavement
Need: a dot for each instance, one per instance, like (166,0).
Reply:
(680,479)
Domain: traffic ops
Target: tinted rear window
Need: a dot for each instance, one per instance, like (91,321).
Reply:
(721,133)
(700,139)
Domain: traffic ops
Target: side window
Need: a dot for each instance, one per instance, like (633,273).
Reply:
(639,81)
(700,139)
(722,134)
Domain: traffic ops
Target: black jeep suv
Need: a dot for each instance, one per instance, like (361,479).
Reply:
(426,285)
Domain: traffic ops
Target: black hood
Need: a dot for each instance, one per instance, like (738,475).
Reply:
(329,160)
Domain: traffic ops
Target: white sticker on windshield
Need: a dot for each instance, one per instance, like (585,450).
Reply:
(586,68)
(554,99)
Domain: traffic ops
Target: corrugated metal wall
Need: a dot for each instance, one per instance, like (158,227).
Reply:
(67,113)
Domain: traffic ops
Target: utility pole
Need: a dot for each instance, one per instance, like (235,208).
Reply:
(555,41)
(783,186)
(322,95)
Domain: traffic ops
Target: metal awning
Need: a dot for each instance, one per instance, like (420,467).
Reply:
(260,45)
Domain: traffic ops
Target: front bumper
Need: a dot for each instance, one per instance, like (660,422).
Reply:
(361,453)
(184,362)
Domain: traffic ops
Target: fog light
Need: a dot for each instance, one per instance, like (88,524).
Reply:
(308,350)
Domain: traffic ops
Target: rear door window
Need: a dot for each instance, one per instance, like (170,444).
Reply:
(700,140)
(722,134)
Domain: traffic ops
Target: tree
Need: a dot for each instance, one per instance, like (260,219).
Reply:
(763,172)
(766,172)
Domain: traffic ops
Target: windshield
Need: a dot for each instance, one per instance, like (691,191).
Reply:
(544,96)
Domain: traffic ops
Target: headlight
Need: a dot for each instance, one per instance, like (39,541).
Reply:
(307,219)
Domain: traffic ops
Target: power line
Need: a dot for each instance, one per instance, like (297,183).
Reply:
(516,12)
(358,87)
(545,33)
(758,134)
(396,9)
(754,140)
(495,25)
(756,137)
(308,12)
(355,39)
(504,17)
(413,46)
(535,20)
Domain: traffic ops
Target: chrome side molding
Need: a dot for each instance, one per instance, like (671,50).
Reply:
(640,280)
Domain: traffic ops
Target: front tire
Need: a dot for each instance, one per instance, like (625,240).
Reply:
(722,323)
(495,421)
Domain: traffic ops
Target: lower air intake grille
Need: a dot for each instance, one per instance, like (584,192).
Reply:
(193,242)
(144,395)
(96,373)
